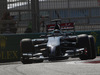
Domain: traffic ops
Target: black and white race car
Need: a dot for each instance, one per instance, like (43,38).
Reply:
(58,45)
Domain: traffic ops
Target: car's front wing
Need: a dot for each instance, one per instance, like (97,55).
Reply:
(68,53)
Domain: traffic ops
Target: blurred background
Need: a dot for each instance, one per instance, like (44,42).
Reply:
(34,15)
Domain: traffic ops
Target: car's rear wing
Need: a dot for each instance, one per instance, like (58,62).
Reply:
(63,26)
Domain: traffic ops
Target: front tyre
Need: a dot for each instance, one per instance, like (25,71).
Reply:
(92,46)
(83,42)
(26,47)
(25,60)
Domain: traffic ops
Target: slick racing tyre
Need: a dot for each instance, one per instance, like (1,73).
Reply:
(26,47)
(83,42)
(92,46)
(25,60)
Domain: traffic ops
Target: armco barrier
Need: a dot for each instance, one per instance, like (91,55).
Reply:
(10,44)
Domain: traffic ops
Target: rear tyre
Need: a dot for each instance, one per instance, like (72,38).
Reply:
(92,46)
(26,47)
(83,42)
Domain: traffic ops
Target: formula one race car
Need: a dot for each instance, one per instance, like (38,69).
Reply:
(58,45)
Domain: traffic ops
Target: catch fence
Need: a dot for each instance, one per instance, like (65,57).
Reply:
(84,13)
